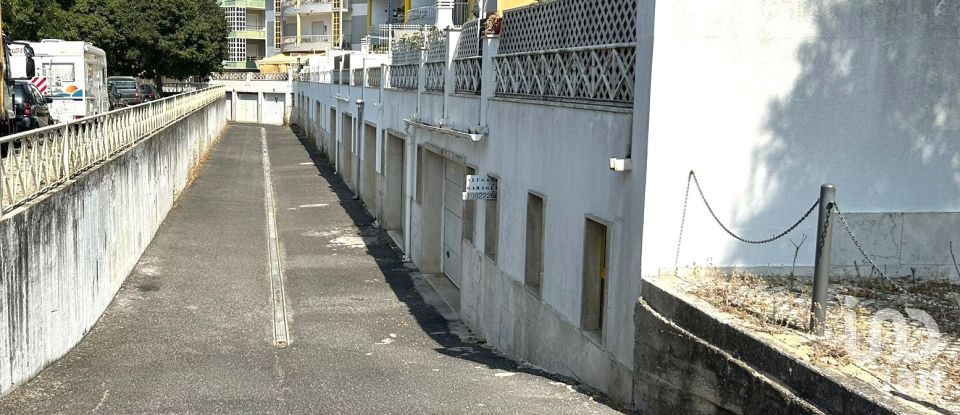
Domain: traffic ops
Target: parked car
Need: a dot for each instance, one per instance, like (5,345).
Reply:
(30,106)
(123,91)
(148,92)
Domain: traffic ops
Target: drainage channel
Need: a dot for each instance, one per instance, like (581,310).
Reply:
(280,335)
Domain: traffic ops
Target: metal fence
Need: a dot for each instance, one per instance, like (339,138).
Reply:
(181,87)
(33,162)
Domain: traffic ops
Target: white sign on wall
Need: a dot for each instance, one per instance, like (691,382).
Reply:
(480,187)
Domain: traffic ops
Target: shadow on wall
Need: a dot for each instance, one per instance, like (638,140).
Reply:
(875,110)
(400,277)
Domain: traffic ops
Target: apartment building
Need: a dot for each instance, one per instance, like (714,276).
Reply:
(249,39)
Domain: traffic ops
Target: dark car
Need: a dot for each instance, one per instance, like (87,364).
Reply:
(123,91)
(148,92)
(30,106)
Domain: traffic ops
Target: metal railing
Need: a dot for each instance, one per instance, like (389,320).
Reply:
(294,3)
(426,15)
(33,162)
(381,38)
(290,40)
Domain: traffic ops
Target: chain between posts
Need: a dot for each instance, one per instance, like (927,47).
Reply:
(692,177)
(856,243)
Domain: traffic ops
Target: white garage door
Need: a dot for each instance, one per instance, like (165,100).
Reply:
(453,188)
(246,108)
(273,107)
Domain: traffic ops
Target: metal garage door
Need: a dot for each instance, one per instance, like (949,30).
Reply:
(246,108)
(273,107)
(453,188)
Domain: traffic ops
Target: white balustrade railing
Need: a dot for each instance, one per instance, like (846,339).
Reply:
(34,162)
(593,73)
(306,39)
(435,76)
(467,73)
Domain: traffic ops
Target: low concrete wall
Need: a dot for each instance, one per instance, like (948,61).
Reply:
(690,359)
(65,255)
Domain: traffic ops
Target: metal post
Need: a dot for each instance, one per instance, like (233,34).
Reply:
(821,272)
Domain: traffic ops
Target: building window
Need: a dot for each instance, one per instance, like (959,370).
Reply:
(594,293)
(469,211)
(277,24)
(491,224)
(533,268)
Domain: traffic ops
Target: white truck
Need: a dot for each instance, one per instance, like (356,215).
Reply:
(74,74)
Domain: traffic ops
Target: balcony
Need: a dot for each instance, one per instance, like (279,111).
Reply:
(250,4)
(249,32)
(427,15)
(247,65)
(307,43)
(308,6)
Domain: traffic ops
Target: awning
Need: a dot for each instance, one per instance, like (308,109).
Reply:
(281,62)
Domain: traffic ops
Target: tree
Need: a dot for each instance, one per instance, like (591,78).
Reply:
(152,38)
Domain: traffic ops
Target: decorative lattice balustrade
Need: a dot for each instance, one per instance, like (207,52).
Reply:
(375,77)
(466,63)
(358,77)
(564,24)
(467,79)
(437,46)
(436,63)
(435,76)
(592,74)
(404,76)
(282,76)
(468,46)
(569,50)
(407,52)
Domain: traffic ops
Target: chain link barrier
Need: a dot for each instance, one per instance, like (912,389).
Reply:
(856,243)
(692,177)
(834,208)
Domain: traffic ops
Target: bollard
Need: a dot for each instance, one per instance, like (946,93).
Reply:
(821,271)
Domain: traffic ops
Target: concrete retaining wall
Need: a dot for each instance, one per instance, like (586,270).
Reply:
(65,255)
(691,359)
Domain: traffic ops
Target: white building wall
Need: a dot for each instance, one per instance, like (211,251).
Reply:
(767,100)
(560,151)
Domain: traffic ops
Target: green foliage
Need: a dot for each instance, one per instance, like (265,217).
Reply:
(148,38)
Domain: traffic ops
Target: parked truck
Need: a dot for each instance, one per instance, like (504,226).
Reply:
(74,74)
